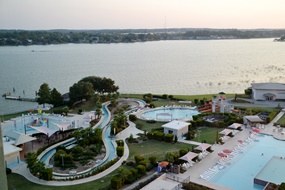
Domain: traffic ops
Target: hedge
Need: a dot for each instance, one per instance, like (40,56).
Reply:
(271,116)
(120,151)
(158,135)
(168,137)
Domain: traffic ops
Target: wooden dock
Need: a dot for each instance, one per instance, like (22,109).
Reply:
(20,99)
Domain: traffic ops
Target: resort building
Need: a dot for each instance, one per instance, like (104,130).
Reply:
(177,128)
(11,152)
(268,91)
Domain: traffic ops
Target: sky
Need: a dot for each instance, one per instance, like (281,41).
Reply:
(141,14)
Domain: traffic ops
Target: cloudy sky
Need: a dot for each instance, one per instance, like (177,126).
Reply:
(127,14)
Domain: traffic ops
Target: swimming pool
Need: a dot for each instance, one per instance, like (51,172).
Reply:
(241,171)
(168,114)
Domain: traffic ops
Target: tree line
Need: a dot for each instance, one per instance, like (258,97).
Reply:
(22,37)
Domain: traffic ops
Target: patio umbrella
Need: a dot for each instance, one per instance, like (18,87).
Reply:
(256,130)
(227,151)
(163,164)
(240,141)
(222,154)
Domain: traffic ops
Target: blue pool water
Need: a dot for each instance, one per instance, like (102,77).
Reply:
(170,113)
(239,175)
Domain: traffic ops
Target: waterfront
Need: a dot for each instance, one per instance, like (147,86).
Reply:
(171,67)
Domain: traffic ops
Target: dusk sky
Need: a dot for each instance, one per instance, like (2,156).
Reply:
(141,14)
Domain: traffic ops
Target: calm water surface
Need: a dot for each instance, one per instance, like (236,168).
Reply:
(170,67)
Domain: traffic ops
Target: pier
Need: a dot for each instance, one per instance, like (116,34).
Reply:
(20,99)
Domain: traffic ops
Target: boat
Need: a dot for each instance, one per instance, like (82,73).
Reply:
(6,94)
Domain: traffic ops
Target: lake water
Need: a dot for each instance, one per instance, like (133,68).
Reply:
(164,67)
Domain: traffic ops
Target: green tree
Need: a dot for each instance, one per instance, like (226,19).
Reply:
(44,94)
(56,98)
(101,85)
(80,91)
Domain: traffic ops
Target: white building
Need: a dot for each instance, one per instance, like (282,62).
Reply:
(177,128)
(11,152)
(268,91)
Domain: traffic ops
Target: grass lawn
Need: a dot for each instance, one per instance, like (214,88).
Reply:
(281,121)
(184,97)
(155,148)
(16,181)
(145,126)
(208,134)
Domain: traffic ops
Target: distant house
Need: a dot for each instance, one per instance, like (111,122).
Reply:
(268,91)
(177,128)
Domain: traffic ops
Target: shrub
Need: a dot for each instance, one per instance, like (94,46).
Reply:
(152,160)
(120,151)
(47,174)
(138,158)
(132,117)
(130,163)
(196,101)
(142,162)
(116,182)
(171,97)
(158,135)
(134,171)
(271,116)
(120,142)
(168,137)
(141,169)
(164,96)
(150,135)
(149,167)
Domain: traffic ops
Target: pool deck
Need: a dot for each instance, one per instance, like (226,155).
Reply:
(211,159)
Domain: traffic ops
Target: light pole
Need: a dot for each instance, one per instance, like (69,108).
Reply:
(62,155)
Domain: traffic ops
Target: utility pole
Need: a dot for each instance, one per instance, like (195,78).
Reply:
(3,177)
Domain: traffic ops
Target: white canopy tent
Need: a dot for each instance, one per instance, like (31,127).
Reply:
(188,157)
(47,131)
(226,132)
(203,147)
(63,126)
(235,125)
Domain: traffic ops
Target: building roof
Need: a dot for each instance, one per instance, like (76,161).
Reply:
(268,86)
(19,138)
(175,125)
(63,126)
(254,119)
(8,147)
(47,131)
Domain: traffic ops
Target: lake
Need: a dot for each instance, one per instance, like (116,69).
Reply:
(162,67)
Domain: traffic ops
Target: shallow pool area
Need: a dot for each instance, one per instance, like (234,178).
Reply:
(240,172)
(169,114)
